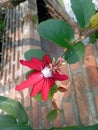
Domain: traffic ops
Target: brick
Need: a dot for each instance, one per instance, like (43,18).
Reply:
(10,64)
(35,116)
(90,63)
(13,72)
(19,79)
(18,95)
(57,121)
(58,97)
(67,93)
(92,74)
(63,69)
(81,99)
(5,76)
(97,44)
(12,91)
(69,113)
(14,52)
(26,95)
(89,51)
(96,101)
(45,122)
(6,55)
(75,66)
(28,113)
(95,87)
(18,58)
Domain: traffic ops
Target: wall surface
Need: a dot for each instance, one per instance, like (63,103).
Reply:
(80,101)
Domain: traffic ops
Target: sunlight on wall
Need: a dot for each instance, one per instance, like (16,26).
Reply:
(69,10)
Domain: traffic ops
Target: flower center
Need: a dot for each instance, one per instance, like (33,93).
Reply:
(47,72)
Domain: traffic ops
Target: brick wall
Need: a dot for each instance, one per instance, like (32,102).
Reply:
(79,102)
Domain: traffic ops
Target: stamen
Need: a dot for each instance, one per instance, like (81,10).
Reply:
(47,72)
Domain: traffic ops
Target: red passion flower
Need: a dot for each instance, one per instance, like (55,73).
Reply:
(43,77)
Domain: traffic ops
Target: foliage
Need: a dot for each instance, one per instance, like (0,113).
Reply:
(93,37)
(83,10)
(16,118)
(34,53)
(61,3)
(10,122)
(13,108)
(61,33)
(75,54)
(94,21)
(2,25)
(52,115)
(2,29)
(34,19)
(52,91)
(57,31)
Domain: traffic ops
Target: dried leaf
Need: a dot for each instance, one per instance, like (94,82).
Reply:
(94,21)
(61,89)
(54,105)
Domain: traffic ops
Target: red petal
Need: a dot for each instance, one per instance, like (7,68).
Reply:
(29,82)
(32,73)
(60,77)
(33,64)
(47,59)
(51,82)
(48,83)
(38,63)
(37,88)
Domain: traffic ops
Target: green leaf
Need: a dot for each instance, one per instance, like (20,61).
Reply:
(15,127)
(2,25)
(94,37)
(75,54)
(34,53)
(38,97)
(52,115)
(67,128)
(83,10)
(7,119)
(14,108)
(52,91)
(61,3)
(56,31)
(28,73)
(94,127)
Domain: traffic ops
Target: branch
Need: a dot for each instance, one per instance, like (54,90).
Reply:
(79,33)
(9,3)
(87,32)
(64,15)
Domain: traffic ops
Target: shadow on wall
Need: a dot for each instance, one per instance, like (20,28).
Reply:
(53,50)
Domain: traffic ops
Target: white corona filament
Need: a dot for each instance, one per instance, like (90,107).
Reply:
(47,72)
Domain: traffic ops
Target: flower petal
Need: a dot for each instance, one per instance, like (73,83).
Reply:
(48,83)
(60,77)
(33,64)
(29,82)
(47,59)
(38,63)
(51,82)
(37,87)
